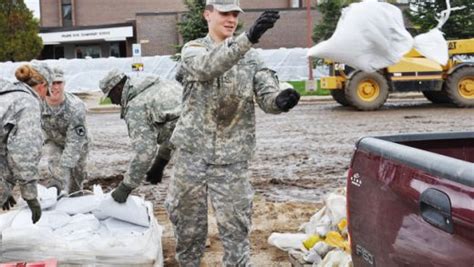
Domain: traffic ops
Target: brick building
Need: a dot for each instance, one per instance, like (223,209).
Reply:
(103,28)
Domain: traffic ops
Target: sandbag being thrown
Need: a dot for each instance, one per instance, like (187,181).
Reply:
(369,36)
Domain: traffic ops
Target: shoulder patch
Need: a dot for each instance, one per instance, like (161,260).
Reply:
(80,130)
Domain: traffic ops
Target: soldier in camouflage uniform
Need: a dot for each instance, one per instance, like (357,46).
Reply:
(21,139)
(215,136)
(64,127)
(150,106)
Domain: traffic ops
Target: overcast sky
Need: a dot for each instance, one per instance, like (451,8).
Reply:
(33,5)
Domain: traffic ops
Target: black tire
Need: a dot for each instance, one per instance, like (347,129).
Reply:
(366,91)
(339,96)
(460,87)
(437,97)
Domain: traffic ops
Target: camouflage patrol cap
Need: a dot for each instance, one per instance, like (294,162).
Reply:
(110,80)
(225,5)
(58,75)
(44,70)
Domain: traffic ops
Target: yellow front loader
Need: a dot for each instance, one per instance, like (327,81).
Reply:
(452,83)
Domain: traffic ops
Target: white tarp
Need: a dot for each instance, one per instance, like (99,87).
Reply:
(83,75)
(75,235)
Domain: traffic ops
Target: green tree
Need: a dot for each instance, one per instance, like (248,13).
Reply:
(19,40)
(423,14)
(330,11)
(192,25)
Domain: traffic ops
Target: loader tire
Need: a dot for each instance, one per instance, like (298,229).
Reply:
(437,97)
(366,91)
(340,97)
(460,87)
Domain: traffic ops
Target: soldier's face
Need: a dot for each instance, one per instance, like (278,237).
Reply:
(57,91)
(222,25)
(115,94)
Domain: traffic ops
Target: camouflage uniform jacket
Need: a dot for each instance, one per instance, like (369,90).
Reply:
(150,107)
(21,139)
(66,127)
(220,85)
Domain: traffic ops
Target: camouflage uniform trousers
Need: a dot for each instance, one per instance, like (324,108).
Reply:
(6,180)
(73,182)
(231,196)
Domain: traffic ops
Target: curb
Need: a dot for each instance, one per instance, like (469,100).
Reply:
(304,99)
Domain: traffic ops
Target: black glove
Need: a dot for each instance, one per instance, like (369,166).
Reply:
(155,174)
(35,208)
(121,193)
(287,99)
(266,21)
(9,203)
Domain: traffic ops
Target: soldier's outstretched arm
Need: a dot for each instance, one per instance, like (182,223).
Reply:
(202,64)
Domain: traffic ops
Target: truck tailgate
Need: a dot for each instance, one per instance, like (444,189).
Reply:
(408,206)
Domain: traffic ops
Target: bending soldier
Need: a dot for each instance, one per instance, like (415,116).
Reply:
(215,136)
(67,142)
(20,135)
(150,107)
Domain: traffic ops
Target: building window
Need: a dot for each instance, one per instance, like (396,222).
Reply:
(296,3)
(67,13)
(92,51)
(114,50)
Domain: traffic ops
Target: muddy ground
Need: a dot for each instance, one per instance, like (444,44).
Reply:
(300,156)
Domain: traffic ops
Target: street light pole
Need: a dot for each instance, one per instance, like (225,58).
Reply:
(309,24)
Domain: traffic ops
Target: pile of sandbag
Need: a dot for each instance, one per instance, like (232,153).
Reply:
(324,239)
(87,230)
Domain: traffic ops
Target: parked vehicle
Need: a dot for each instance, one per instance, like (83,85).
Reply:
(410,200)
(452,83)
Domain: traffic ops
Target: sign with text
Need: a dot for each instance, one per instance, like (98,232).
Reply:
(108,34)
(137,50)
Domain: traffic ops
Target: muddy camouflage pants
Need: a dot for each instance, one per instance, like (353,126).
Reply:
(73,182)
(231,196)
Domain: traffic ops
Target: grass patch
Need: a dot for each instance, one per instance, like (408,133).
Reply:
(105,101)
(300,87)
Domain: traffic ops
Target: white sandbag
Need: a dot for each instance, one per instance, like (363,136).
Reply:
(432,45)
(118,227)
(336,208)
(336,258)
(369,36)
(134,210)
(79,205)
(287,241)
(310,227)
(81,226)
(6,219)
(47,196)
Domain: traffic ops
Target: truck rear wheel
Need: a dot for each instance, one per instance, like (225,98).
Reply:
(339,96)
(460,87)
(366,91)
(437,97)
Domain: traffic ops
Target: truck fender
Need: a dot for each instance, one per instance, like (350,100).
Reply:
(464,64)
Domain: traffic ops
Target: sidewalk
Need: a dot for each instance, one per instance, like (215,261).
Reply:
(92,100)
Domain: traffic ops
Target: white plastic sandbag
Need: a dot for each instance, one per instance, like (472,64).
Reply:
(432,45)
(134,210)
(369,36)
(287,241)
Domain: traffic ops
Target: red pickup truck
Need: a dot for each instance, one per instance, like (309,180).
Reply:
(410,200)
